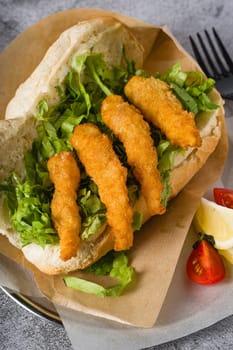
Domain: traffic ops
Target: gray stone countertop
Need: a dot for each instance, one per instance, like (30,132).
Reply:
(20,329)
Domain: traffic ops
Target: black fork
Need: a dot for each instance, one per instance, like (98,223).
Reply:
(215,61)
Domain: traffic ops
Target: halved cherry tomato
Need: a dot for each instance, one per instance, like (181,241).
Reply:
(224,197)
(205,265)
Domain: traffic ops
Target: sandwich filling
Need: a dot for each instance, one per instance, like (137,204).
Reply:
(113,136)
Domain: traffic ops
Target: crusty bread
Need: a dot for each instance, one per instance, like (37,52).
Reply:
(104,35)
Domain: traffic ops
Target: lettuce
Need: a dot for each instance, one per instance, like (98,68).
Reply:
(188,101)
(92,210)
(114,265)
(166,156)
(30,213)
(137,220)
(191,88)
(77,65)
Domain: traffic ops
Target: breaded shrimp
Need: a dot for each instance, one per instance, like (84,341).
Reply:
(128,125)
(160,106)
(95,151)
(65,174)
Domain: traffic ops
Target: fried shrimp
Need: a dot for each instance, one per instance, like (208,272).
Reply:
(65,174)
(128,125)
(160,106)
(95,151)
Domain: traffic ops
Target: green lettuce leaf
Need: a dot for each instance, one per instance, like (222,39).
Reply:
(187,100)
(104,265)
(166,156)
(92,210)
(191,88)
(117,269)
(110,79)
(92,225)
(97,69)
(30,213)
(175,75)
(137,220)
(85,286)
(77,64)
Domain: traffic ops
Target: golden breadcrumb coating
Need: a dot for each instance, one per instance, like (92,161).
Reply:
(161,107)
(95,152)
(128,125)
(65,174)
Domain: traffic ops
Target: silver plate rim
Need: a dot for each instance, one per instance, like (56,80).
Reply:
(32,307)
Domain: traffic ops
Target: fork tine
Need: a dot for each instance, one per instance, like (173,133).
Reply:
(224,51)
(198,56)
(215,70)
(215,53)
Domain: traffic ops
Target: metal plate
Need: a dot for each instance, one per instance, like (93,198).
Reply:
(40,307)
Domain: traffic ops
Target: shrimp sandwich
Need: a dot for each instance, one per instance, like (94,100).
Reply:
(92,146)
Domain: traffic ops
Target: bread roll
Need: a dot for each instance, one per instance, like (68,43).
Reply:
(107,36)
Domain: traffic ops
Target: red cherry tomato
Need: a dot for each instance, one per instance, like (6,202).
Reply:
(205,265)
(224,197)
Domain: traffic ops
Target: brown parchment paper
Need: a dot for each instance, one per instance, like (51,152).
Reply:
(158,244)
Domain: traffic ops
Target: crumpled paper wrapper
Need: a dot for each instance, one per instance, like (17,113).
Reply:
(159,243)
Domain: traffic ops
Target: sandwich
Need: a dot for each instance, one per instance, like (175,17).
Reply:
(93,146)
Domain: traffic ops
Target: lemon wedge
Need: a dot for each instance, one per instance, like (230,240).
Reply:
(227,253)
(217,221)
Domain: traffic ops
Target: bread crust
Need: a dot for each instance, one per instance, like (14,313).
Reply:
(101,34)
(104,35)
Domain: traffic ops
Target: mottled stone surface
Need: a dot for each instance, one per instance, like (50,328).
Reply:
(19,329)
